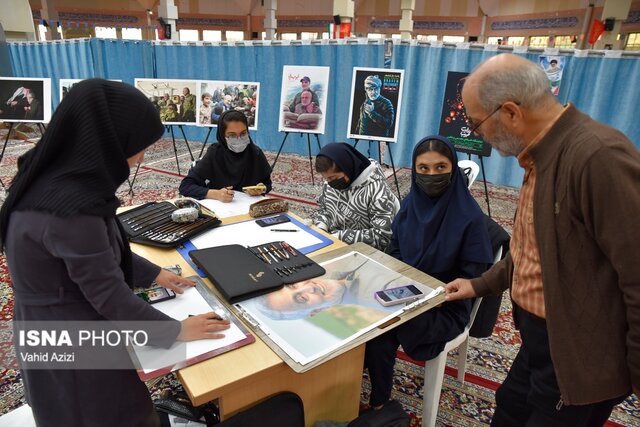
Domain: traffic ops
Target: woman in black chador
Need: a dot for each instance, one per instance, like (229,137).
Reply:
(70,261)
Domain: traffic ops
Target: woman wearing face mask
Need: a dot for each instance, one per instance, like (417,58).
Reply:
(441,231)
(356,204)
(230,164)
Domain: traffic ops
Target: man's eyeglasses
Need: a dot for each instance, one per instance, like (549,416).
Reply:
(475,126)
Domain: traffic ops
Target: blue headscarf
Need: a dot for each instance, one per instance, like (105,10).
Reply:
(436,235)
(347,158)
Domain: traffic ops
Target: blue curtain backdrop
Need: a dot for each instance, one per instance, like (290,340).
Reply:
(605,88)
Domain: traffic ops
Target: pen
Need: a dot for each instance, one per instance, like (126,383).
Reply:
(280,229)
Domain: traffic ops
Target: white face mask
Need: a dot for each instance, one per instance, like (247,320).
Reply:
(238,144)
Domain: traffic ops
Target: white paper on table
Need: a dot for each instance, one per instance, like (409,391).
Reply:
(239,205)
(248,233)
(188,303)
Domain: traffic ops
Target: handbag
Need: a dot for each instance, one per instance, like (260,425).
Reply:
(268,207)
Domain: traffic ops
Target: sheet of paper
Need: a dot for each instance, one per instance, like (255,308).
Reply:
(343,309)
(188,303)
(248,233)
(239,205)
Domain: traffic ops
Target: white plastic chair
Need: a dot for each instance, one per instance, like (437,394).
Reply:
(434,369)
(470,168)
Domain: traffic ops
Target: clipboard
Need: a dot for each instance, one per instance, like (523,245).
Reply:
(406,313)
(215,304)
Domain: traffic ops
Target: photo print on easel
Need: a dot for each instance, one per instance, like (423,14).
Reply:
(303,99)
(25,100)
(376,97)
(214,97)
(175,100)
(67,84)
(453,121)
(553,66)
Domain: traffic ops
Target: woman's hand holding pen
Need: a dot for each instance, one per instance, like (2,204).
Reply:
(202,326)
(224,194)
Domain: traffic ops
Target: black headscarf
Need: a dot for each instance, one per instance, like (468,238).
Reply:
(235,169)
(347,158)
(81,159)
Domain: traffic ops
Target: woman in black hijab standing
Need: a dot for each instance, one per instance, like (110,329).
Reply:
(231,163)
(69,260)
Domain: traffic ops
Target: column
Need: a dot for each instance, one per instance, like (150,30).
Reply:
(406,22)
(345,10)
(270,21)
(614,12)
(50,14)
(168,11)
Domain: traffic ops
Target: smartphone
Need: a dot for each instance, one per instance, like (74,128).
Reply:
(278,219)
(155,295)
(399,295)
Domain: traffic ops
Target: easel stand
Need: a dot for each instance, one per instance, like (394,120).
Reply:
(484,180)
(204,144)
(6,141)
(286,135)
(393,166)
(175,148)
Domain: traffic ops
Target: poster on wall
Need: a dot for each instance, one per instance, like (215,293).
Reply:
(553,66)
(175,100)
(215,97)
(453,121)
(376,97)
(303,99)
(67,84)
(315,317)
(25,100)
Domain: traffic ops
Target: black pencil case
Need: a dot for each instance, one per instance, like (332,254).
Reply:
(151,224)
(287,262)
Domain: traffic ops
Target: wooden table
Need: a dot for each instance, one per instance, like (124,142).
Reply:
(242,377)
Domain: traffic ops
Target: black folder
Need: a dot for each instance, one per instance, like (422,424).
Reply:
(236,272)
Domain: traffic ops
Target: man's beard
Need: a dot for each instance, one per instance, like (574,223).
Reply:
(505,142)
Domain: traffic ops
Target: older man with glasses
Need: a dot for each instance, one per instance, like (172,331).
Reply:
(572,269)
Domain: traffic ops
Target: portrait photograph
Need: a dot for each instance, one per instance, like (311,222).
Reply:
(216,97)
(312,318)
(376,97)
(25,100)
(303,99)
(175,100)
(553,66)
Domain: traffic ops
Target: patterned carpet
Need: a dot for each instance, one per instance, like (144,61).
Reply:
(469,404)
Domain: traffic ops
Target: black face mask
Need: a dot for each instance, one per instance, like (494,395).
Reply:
(433,185)
(338,184)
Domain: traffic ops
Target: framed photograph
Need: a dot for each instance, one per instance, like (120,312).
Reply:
(553,66)
(453,121)
(175,100)
(25,99)
(303,99)
(376,97)
(215,97)
(67,84)
(313,318)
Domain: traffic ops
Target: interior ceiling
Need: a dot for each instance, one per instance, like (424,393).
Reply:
(325,7)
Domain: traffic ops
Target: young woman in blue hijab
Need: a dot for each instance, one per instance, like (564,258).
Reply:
(441,231)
